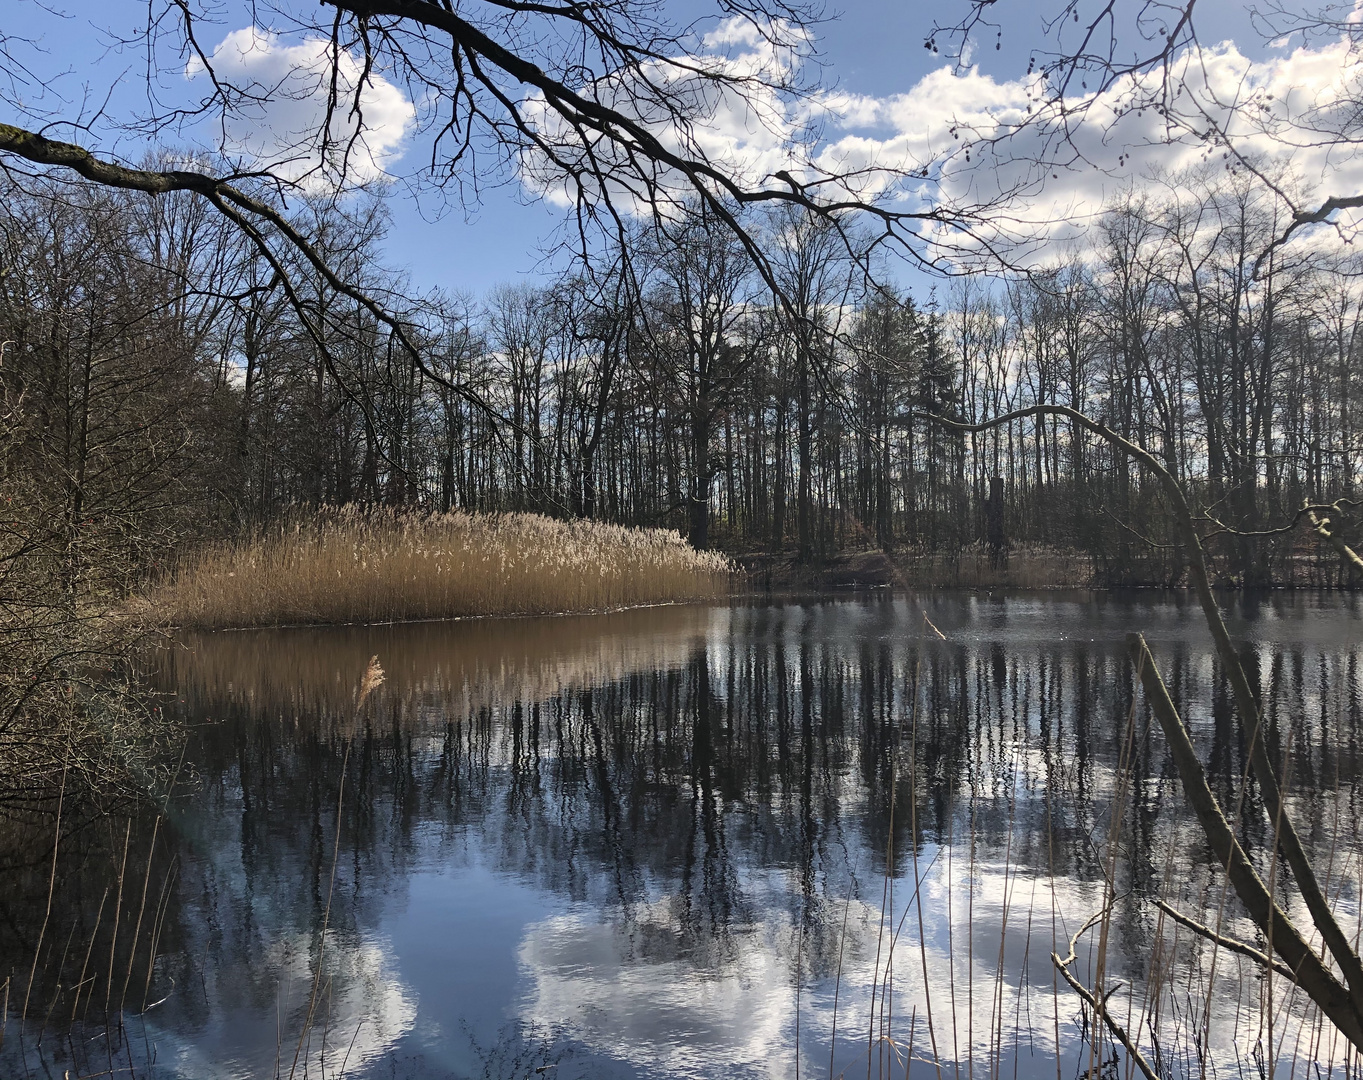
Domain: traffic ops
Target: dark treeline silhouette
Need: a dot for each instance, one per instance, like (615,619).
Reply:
(167,383)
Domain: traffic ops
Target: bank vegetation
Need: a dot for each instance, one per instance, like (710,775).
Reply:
(351,565)
(671,391)
(168,378)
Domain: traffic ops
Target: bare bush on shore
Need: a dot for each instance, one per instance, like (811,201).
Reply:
(1025,566)
(352,565)
(73,714)
(74,717)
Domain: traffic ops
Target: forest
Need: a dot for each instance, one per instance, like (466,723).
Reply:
(233,425)
(165,385)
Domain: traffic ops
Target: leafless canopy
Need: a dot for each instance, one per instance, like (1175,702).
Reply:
(1146,56)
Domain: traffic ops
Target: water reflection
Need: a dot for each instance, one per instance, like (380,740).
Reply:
(657,843)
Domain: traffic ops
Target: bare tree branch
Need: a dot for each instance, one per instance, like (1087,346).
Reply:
(1289,842)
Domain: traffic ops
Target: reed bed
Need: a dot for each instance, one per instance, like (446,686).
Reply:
(371,566)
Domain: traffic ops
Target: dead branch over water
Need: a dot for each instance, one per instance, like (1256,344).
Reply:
(1340,997)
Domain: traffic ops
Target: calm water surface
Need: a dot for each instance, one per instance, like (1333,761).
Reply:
(690,842)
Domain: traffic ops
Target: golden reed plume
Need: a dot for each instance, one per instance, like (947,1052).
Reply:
(373,679)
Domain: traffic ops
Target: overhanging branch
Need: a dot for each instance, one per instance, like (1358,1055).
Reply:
(222,192)
(1289,842)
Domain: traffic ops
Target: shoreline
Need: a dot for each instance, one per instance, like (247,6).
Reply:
(483,617)
(814,591)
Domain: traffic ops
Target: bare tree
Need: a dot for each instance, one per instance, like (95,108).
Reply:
(698,296)
(816,282)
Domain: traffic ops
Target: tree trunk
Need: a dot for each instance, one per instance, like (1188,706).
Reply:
(804,449)
(698,498)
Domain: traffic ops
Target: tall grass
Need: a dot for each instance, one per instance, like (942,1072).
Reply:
(349,565)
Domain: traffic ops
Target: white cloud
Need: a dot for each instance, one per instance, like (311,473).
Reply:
(1290,115)
(956,139)
(1043,173)
(368,1011)
(1050,176)
(661,994)
(285,131)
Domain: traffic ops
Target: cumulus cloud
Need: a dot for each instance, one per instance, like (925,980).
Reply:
(1289,115)
(745,134)
(1052,170)
(654,993)
(970,144)
(367,1003)
(669,1002)
(281,124)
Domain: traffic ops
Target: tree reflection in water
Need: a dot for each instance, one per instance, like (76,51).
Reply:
(640,844)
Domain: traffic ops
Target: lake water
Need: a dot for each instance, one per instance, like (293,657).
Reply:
(750,840)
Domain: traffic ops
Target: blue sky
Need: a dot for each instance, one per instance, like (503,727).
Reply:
(896,99)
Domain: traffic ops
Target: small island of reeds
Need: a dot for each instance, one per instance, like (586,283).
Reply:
(350,565)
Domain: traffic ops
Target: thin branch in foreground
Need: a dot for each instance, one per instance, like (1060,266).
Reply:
(1099,1006)
(1227,943)
(1306,968)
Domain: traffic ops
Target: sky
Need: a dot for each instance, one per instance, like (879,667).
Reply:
(886,99)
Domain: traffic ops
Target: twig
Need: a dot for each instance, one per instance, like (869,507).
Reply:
(51,887)
(1229,944)
(1099,1005)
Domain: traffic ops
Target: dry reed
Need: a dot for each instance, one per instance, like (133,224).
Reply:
(357,566)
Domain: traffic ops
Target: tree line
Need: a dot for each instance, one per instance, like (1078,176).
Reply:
(164,379)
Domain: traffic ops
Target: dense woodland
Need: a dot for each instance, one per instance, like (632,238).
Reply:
(162,385)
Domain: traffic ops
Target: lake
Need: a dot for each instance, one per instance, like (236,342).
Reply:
(749,840)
